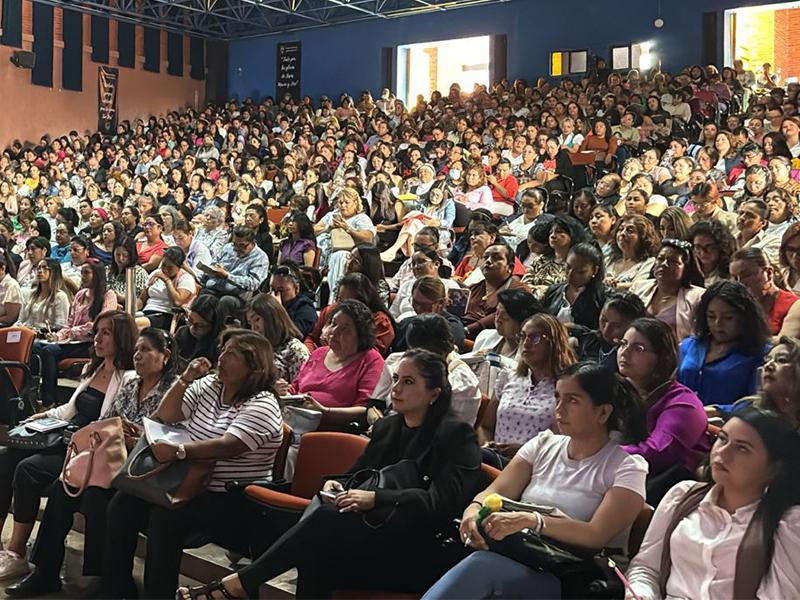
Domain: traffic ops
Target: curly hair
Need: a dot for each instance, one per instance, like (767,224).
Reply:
(362,319)
(259,358)
(649,243)
(725,242)
(752,323)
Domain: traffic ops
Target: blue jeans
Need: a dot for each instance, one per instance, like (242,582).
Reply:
(485,574)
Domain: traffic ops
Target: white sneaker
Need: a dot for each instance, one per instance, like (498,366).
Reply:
(12,565)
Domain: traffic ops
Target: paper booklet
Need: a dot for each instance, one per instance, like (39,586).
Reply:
(174,434)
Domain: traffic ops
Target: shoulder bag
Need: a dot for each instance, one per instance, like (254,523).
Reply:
(170,485)
(95,454)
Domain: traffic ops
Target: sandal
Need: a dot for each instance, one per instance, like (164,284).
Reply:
(203,591)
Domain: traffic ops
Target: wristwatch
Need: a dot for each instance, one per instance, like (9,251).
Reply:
(180,453)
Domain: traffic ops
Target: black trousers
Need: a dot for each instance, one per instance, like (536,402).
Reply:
(25,476)
(48,551)
(334,550)
(222,516)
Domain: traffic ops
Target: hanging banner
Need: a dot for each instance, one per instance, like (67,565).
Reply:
(107,81)
(287,79)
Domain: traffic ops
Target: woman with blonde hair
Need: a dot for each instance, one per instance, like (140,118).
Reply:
(524,400)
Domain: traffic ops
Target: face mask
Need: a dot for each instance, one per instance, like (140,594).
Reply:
(455,174)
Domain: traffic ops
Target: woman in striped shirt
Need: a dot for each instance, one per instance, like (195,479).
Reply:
(233,418)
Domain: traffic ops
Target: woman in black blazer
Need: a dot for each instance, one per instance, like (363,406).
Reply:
(357,538)
(580,298)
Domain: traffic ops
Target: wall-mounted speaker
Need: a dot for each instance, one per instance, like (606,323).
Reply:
(23,59)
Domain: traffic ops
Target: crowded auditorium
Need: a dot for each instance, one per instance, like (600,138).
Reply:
(400,299)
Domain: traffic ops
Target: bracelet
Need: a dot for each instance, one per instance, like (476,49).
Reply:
(539,524)
(475,502)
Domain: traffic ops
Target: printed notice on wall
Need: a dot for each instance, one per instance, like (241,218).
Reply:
(287,80)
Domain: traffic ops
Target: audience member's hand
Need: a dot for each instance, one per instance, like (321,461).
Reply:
(164,452)
(277,297)
(331,486)
(282,387)
(41,415)
(355,501)
(220,271)
(196,369)
(157,274)
(468,530)
(312,404)
(499,525)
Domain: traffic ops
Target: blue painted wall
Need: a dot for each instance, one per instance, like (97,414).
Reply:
(348,57)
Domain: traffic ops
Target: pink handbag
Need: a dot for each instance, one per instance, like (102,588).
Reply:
(94,456)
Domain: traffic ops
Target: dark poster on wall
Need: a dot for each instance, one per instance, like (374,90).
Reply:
(107,81)
(287,79)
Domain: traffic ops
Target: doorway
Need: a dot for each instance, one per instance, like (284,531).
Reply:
(764,34)
(423,68)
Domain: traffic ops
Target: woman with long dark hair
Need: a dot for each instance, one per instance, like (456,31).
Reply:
(74,340)
(676,422)
(422,429)
(366,259)
(300,245)
(606,489)
(581,297)
(720,361)
(752,487)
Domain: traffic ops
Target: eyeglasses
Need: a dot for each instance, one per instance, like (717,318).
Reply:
(421,247)
(241,245)
(637,348)
(534,338)
(150,223)
(42,268)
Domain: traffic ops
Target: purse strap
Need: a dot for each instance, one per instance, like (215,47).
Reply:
(147,474)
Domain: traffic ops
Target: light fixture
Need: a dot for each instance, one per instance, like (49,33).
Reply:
(658,23)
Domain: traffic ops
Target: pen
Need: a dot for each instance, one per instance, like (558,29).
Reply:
(622,578)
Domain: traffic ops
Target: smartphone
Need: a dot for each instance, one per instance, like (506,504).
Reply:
(328,495)
(293,399)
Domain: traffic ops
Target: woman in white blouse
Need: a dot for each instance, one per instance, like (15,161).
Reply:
(595,488)
(736,536)
(524,399)
(47,308)
(170,286)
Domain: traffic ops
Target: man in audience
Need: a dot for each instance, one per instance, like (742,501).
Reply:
(239,271)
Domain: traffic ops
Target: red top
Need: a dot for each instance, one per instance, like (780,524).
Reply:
(511,187)
(783,302)
(145,254)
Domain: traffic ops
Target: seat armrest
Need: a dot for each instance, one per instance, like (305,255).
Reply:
(276,499)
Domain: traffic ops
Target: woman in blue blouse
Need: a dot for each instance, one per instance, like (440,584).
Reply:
(720,361)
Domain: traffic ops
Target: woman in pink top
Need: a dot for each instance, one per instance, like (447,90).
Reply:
(476,193)
(74,340)
(338,378)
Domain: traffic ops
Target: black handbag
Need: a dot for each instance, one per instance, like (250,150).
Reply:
(22,438)
(170,485)
(402,475)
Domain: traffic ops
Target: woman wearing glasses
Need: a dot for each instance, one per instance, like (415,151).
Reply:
(151,249)
(524,400)
(676,422)
(674,291)
(789,257)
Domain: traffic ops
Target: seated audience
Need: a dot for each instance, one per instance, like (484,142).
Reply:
(126,257)
(198,337)
(10,293)
(674,291)
(365,259)
(47,307)
(299,247)
(155,360)
(424,430)
(25,475)
(196,252)
(429,295)
(752,268)
(338,377)
(74,340)
(676,422)
(497,269)
(356,286)
(151,248)
(595,489)
(752,486)
(524,401)
(581,297)
(430,331)
(286,287)
(550,266)
(720,361)
(713,247)
(240,269)
(633,254)
(37,249)
(266,315)
(424,263)
(169,288)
